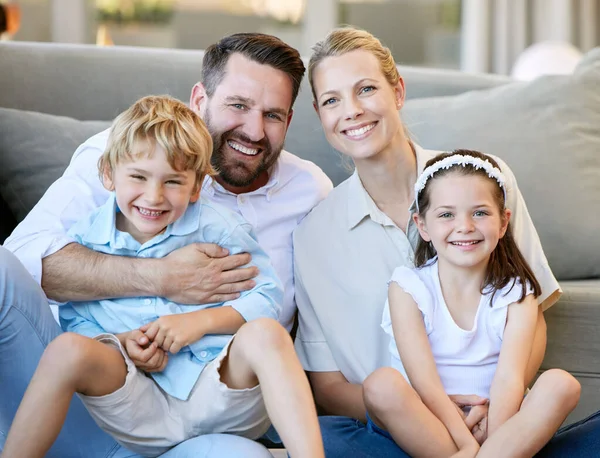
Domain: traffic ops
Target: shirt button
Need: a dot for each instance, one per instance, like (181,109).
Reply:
(203,354)
(147,301)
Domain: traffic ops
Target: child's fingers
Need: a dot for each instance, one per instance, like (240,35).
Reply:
(475,416)
(147,353)
(139,337)
(468,399)
(150,330)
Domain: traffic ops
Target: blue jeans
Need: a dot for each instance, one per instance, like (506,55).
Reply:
(347,437)
(26,327)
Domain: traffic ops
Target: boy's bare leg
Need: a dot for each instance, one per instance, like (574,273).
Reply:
(262,352)
(554,395)
(71,363)
(396,407)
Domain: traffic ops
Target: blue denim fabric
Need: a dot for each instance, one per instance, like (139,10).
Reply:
(26,327)
(581,440)
(345,437)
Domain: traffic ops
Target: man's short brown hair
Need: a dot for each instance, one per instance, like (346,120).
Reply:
(258,47)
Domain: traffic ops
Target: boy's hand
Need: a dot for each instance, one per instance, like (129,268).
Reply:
(145,354)
(173,332)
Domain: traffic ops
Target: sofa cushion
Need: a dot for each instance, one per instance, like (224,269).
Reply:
(35,149)
(548,131)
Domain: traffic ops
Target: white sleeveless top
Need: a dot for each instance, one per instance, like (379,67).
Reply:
(466,359)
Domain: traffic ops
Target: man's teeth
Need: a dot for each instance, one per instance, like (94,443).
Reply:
(361,131)
(243,149)
(465,243)
(147,212)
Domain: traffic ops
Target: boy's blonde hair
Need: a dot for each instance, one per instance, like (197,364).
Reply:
(164,121)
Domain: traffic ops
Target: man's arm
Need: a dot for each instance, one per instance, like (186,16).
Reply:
(336,396)
(69,272)
(195,274)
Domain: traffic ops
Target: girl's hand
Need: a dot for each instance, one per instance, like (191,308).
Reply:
(173,332)
(477,422)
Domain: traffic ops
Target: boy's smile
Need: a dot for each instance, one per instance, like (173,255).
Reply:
(150,193)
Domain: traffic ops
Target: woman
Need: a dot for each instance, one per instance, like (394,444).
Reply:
(347,248)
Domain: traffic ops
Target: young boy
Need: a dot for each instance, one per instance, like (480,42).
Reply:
(157,156)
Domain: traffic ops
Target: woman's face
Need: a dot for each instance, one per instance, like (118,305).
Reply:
(357,106)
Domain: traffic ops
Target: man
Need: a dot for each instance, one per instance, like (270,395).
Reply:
(248,85)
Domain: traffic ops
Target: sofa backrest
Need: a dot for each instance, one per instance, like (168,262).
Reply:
(86,82)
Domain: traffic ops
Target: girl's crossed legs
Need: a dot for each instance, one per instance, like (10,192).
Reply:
(395,406)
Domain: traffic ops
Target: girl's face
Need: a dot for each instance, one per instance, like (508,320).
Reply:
(463,221)
(357,106)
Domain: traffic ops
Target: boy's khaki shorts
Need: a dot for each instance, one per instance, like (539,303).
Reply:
(148,421)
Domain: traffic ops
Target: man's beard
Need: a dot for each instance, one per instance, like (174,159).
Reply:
(234,172)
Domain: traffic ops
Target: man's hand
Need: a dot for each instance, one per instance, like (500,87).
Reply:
(474,410)
(145,354)
(203,273)
(173,332)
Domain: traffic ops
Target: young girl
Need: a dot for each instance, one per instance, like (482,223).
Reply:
(463,322)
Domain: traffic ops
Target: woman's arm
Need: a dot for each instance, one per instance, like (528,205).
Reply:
(510,380)
(336,396)
(417,358)
(527,239)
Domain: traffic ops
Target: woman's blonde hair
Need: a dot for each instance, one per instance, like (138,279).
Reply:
(162,121)
(345,39)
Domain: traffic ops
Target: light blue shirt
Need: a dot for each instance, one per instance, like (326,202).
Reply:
(203,222)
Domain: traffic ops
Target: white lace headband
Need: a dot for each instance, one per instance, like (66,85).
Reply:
(459,159)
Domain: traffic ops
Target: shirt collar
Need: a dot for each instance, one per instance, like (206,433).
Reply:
(360,203)
(210,186)
(103,230)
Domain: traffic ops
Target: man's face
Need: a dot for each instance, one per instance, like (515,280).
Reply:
(247,116)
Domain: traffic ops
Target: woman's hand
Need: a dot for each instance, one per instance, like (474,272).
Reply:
(173,332)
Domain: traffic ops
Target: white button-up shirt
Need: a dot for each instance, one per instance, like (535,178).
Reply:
(295,186)
(345,253)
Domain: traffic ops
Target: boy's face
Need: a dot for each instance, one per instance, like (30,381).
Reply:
(150,193)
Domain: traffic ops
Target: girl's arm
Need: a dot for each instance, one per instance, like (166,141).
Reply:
(508,386)
(417,358)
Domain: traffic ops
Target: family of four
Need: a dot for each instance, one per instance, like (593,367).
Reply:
(176,249)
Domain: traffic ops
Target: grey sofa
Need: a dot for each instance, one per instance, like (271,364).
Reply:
(52,97)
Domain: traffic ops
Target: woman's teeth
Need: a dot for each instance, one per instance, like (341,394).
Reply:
(361,131)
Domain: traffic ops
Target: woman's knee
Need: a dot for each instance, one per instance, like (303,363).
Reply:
(386,389)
